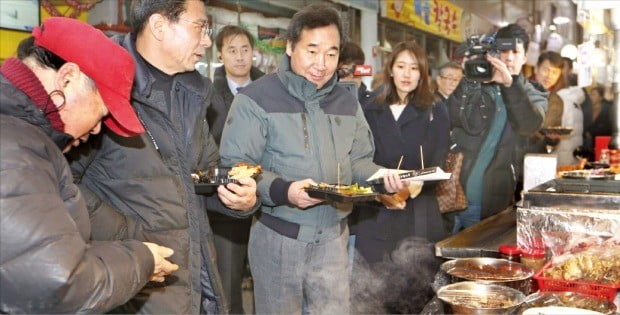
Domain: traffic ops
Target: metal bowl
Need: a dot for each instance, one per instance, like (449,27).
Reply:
(520,281)
(471,297)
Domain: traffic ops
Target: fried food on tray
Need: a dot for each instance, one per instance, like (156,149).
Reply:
(241,170)
(596,264)
(354,189)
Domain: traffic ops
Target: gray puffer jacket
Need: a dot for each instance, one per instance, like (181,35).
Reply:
(295,131)
(47,263)
(141,188)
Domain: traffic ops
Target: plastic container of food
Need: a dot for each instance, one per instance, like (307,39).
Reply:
(601,290)
(534,258)
(510,252)
(567,299)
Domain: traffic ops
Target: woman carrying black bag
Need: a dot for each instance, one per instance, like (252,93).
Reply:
(404,116)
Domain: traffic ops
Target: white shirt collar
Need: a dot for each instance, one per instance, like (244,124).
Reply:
(232,85)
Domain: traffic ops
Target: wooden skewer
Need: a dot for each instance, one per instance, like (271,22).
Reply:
(399,162)
(422,156)
(338,175)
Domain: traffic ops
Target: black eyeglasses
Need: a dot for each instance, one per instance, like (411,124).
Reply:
(205,29)
(451,79)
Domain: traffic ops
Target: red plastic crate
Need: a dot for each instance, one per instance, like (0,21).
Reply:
(606,291)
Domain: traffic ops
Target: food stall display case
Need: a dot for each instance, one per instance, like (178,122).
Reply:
(560,212)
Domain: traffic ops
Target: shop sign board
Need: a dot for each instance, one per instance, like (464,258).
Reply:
(438,17)
(370,5)
(584,63)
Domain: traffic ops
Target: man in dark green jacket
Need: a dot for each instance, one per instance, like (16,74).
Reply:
(302,128)
(141,187)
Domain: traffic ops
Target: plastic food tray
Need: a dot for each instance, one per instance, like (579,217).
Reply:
(556,131)
(406,175)
(332,195)
(213,177)
(209,187)
(607,291)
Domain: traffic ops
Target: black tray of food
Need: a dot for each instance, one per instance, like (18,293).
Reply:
(206,182)
(600,174)
(410,174)
(207,188)
(560,131)
(352,193)
(595,165)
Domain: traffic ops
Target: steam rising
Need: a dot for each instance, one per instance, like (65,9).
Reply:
(401,283)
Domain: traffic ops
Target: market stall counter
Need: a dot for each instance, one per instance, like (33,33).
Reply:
(482,239)
(573,223)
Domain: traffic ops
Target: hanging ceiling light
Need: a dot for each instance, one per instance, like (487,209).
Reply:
(569,51)
(559,20)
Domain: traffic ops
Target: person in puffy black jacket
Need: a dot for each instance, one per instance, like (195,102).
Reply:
(49,100)
(141,187)
(489,121)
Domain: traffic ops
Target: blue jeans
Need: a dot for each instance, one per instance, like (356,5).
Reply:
(467,217)
(295,277)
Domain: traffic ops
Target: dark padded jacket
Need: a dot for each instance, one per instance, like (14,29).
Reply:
(216,117)
(141,188)
(471,109)
(47,264)
(217,112)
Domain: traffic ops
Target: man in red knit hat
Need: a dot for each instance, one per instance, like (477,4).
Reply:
(69,76)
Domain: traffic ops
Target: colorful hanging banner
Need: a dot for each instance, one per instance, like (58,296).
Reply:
(438,17)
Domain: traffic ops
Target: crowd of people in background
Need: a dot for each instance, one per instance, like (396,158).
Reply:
(114,224)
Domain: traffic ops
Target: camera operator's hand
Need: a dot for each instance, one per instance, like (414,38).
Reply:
(501,74)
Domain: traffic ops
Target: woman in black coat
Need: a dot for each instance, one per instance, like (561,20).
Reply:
(403,115)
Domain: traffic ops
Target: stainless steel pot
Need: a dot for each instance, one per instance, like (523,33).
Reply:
(470,297)
(520,282)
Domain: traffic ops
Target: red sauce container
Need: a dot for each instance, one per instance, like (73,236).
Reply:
(510,252)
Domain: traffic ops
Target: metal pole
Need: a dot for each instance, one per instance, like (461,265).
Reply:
(615,25)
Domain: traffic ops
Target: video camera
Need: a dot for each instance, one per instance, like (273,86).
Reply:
(357,71)
(477,68)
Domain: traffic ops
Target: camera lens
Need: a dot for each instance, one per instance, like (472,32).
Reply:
(478,69)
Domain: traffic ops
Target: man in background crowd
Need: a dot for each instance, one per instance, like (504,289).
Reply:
(600,120)
(235,48)
(449,77)
(351,55)
(68,77)
(141,187)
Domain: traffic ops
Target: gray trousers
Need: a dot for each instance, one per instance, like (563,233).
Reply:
(294,277)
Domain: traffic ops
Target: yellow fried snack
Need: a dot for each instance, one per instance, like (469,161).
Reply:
(241,170)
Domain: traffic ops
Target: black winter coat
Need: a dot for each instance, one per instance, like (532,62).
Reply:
(472,109)
(378,230)
(216,117)
(47,264)
(218,111)
(141,188)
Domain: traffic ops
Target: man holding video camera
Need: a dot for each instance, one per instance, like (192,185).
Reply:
(491,109)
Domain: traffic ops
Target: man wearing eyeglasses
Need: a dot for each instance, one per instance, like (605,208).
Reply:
(450,74)
(141,187)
